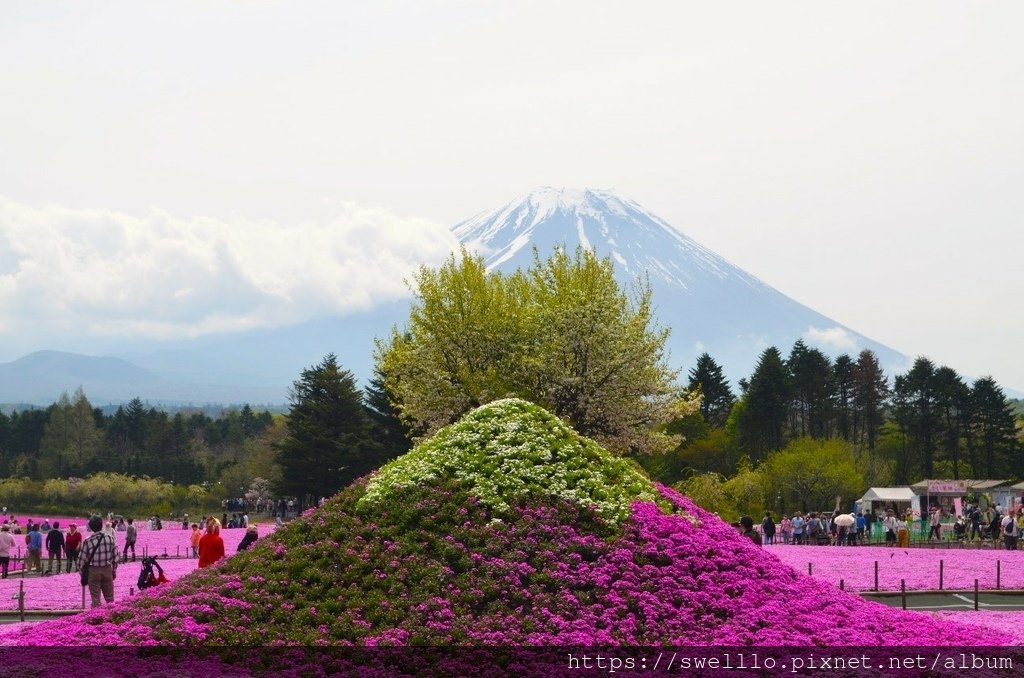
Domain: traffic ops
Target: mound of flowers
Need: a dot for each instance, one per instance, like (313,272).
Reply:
(505,529)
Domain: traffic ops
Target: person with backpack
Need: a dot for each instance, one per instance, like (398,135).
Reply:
(1010,532)
(99,559)
(54,548)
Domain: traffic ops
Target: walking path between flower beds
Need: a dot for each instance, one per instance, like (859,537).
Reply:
(64,591)
(919,568)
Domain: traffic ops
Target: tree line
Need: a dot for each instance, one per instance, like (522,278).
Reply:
(806,428)
(564,335)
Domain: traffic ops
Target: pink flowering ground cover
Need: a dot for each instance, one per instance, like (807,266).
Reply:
(984,623)
(64,591)
(433,562)
(171,540)
(855,565)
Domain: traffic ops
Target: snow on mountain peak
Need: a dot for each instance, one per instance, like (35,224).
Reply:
(704,299)
(637,241)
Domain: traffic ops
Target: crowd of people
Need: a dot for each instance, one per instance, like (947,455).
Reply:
(97,556)
(852,529)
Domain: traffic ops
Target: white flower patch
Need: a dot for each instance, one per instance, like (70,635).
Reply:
(508,449)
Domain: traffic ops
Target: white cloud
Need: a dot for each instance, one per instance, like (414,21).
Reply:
(95,273)
(833,338)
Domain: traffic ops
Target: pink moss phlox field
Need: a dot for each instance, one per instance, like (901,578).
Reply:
(559,544)
(986,623)
(685,578)
(64,591)
(918,567)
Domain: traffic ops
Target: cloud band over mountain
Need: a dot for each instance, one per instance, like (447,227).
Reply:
(82,272)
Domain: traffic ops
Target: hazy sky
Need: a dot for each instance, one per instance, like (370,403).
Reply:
(174,168)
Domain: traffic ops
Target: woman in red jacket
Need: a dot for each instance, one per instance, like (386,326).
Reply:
(211,545)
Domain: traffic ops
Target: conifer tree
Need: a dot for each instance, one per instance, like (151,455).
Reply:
(842,378)
(762,422)
(329,441)
(870,395)
(717,397)
(993,430)
(389,430)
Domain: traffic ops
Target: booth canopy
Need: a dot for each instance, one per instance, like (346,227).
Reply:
(874,494)
(954,488)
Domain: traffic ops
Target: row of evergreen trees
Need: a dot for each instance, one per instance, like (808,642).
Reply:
(927,423)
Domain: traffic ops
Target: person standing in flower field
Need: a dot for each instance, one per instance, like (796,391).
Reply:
(889,525)
(6,544)
(1010,532)
(936,524)
(798,528)
(99,551)
(34,558)
(768,528)
(130,534)
(54,548)
(72,542)
(194,540)
(211,545)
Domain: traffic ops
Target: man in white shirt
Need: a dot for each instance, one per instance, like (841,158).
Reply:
(889,525)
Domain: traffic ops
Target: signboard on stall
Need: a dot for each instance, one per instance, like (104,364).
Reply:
(947,487)
(958,506)
(915,506)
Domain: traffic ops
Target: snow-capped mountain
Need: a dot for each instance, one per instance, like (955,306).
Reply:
(708,303)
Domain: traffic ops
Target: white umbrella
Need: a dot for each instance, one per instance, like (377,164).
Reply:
(845,520)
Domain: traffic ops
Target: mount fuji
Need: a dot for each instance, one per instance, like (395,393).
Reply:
(708,303)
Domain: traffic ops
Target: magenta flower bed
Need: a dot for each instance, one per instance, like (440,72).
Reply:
(987,623)
(171,540)
(64,591)
(669,579)
(855,565)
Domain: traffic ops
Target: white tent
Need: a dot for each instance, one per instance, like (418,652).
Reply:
(887,495)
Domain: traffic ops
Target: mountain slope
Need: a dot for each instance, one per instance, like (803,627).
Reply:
(709,303)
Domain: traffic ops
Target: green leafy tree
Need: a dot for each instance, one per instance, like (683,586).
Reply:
(562,335)
(716,395)
(746,490)
(707,491)
(82,439)
(329,441)
(810,473)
